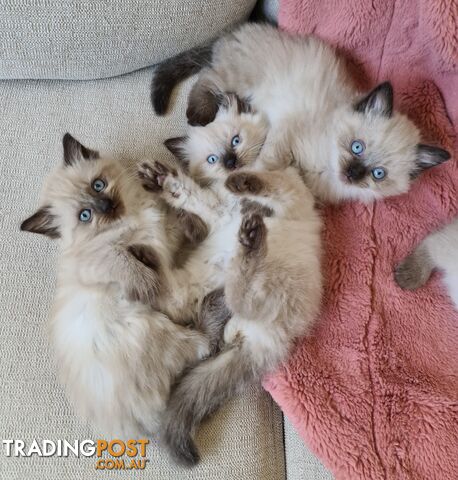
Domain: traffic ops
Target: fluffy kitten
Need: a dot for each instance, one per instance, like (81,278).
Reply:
(208,154)
(438,250)
(116,355)
(348,145)
(271,271)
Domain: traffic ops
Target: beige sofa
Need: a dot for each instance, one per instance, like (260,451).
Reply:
(51,39)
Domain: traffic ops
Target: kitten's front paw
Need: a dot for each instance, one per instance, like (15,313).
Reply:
(411,273)
(154,175)
(253,232)
(149,177)
(242,182)
(172,185)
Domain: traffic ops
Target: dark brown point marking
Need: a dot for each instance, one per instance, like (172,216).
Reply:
(240,183)
(253,232)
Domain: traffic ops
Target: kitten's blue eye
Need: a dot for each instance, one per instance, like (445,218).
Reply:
(235,141)
(98,185)
(85,215)
(212,158)
(357,147)
(378,173)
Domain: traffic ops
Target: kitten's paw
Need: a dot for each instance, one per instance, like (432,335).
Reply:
(154,175)
(172,185)
(253,232)
(240,183)
(412,272)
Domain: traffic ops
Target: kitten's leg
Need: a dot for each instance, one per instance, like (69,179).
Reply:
(415,270)
(195,230)
(282,191)
(203,99)
(265,188)
(242,297)
(179,190)
(141,274)
(253,236)
(212,318)
(136,269)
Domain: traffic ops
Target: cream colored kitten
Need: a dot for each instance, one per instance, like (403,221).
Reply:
(438,250)
(348,145)
(263,244)
(208,154)
(117,356)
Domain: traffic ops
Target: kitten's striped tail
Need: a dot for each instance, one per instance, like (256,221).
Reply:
(199,393)
(173,71)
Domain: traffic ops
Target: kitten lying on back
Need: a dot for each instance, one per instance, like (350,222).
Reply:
(348,145)
(116,355)
(438,250)
(270,268)
(232,141)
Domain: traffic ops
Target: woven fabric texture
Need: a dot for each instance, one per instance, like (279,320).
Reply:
(244,440)
(300,464)
(87,39)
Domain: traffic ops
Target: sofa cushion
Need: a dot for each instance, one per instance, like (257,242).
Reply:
(244,440)
(93,39)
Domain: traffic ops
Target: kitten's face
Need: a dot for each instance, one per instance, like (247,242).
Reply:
(232,141)
(83,197)
(378,150)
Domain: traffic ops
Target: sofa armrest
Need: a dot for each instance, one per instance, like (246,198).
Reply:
(94,39)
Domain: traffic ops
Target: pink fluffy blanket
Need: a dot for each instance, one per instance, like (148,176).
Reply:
(374,391)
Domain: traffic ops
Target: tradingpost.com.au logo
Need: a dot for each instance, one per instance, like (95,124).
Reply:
(133,452)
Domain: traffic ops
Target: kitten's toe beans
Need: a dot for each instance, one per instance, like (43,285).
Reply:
(409,274)
(252,232)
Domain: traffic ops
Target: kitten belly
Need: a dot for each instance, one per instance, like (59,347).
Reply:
(81,318)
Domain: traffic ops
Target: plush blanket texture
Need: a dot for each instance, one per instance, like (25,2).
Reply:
(374,391)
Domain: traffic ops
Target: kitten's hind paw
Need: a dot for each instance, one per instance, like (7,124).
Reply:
(253,232)
(240,183)
(413,271)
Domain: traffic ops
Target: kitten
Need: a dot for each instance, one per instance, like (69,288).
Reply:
(117,356)
(348,145)
(208,154)
(438,250)
(271,271)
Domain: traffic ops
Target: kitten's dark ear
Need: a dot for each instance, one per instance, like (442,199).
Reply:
(74,151)
(42,222)
(177,147)
(379,101)
(429,156)
(228,101)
